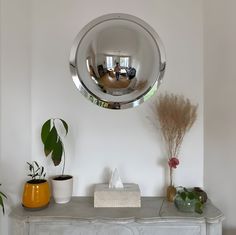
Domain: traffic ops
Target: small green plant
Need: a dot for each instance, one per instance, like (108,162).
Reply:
(37,173)
(2,195)
(189,194)
(52,141)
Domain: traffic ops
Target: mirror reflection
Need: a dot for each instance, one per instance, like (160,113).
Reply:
(116,60)
(115,78)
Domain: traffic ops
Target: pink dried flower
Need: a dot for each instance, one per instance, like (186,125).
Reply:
(173,162)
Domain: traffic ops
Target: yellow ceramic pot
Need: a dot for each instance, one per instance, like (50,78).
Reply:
(36,194)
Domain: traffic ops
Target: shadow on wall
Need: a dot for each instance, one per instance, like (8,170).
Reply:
(229,231)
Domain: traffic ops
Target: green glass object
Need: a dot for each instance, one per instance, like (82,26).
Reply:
(187,205)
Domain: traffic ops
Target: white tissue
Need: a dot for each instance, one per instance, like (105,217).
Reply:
(115,180)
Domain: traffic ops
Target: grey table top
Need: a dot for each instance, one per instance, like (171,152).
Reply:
(153,209)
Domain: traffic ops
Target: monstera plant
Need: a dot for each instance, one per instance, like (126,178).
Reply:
(52,138)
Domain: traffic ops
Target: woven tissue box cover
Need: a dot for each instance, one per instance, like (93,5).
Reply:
(129,196)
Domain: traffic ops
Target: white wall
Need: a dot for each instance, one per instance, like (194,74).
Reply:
(15,112)
(220,111)
(54,94)
(36,85)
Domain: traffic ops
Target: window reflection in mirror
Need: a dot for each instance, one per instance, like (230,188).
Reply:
(115,73)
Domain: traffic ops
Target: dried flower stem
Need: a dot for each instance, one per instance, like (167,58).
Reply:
(171,176)
(176,116)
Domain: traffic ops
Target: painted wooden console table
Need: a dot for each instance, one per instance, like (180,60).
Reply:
(79,217)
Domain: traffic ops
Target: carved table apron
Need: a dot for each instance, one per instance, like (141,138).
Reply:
(78,217)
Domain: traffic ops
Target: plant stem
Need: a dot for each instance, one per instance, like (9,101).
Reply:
(171,176)
(33,172)
(64,162)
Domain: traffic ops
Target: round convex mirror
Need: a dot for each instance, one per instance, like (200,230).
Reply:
(117,61)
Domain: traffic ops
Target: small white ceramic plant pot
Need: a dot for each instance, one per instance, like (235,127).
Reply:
(62,187)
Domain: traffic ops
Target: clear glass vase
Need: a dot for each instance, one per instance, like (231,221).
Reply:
(187,205)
